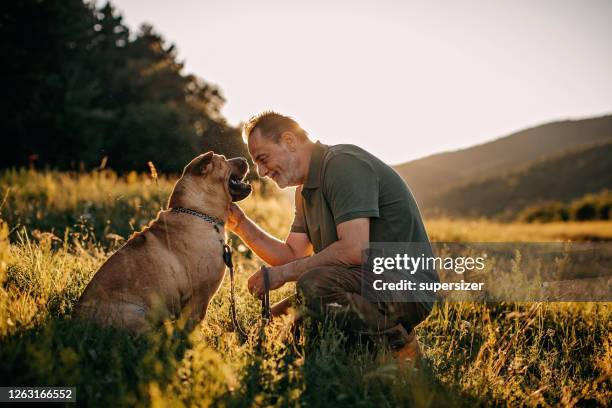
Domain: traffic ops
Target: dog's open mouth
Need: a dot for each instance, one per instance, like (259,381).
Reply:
(239,190)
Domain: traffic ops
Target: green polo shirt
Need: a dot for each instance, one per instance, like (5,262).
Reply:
(345,182)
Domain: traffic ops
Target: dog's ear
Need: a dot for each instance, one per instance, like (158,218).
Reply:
(204,164)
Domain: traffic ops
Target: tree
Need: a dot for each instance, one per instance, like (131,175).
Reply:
(86,88)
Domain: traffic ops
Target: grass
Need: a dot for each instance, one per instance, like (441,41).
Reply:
(483,230)
(534,354)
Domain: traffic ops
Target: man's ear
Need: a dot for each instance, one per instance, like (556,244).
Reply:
(290,139)
(204,164)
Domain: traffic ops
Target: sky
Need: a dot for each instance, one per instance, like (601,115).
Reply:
(402,79)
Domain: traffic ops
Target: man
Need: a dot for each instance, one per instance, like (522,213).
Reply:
(345,197)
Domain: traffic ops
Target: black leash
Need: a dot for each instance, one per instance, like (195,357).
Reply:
(227,258)
(265,300)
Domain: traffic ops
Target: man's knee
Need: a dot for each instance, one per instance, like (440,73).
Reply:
(312,283)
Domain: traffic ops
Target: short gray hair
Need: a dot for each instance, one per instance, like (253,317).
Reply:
(271,125)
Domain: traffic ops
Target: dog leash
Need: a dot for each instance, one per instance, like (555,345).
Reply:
(227,258)
(265,301)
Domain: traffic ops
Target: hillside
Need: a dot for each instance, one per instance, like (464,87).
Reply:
(429,177)
(561,178)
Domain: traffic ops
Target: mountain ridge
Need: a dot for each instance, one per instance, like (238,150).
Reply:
(431,177)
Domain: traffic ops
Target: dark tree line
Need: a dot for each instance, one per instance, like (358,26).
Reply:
(78,86)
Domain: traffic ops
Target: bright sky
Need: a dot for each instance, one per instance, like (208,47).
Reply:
(403,79)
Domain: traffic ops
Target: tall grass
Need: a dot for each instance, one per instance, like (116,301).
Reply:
(533,354)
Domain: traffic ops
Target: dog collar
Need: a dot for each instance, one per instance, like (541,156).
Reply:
(205,217)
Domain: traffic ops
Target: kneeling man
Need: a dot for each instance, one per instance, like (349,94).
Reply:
(345,198)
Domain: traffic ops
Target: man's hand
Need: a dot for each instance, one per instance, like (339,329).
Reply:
(256,282)
(236,216)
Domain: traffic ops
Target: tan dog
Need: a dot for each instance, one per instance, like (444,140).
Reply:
(175,265)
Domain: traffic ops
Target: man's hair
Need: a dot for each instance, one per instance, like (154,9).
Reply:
(271,125)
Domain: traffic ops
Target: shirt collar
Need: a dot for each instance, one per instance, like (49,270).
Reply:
(314,168)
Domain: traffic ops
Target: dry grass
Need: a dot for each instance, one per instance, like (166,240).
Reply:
(532,354)
(454,230)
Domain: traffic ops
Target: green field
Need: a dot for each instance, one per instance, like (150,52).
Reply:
(58,228)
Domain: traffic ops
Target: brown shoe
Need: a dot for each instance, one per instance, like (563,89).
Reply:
(410,353)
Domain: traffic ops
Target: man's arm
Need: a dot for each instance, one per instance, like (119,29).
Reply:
(352,235)
(271,250)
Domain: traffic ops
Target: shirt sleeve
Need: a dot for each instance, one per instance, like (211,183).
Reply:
(298,218)
(351,187)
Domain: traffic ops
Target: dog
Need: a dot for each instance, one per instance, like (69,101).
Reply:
(174,266)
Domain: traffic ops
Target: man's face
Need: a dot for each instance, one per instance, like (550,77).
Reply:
(275,160)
